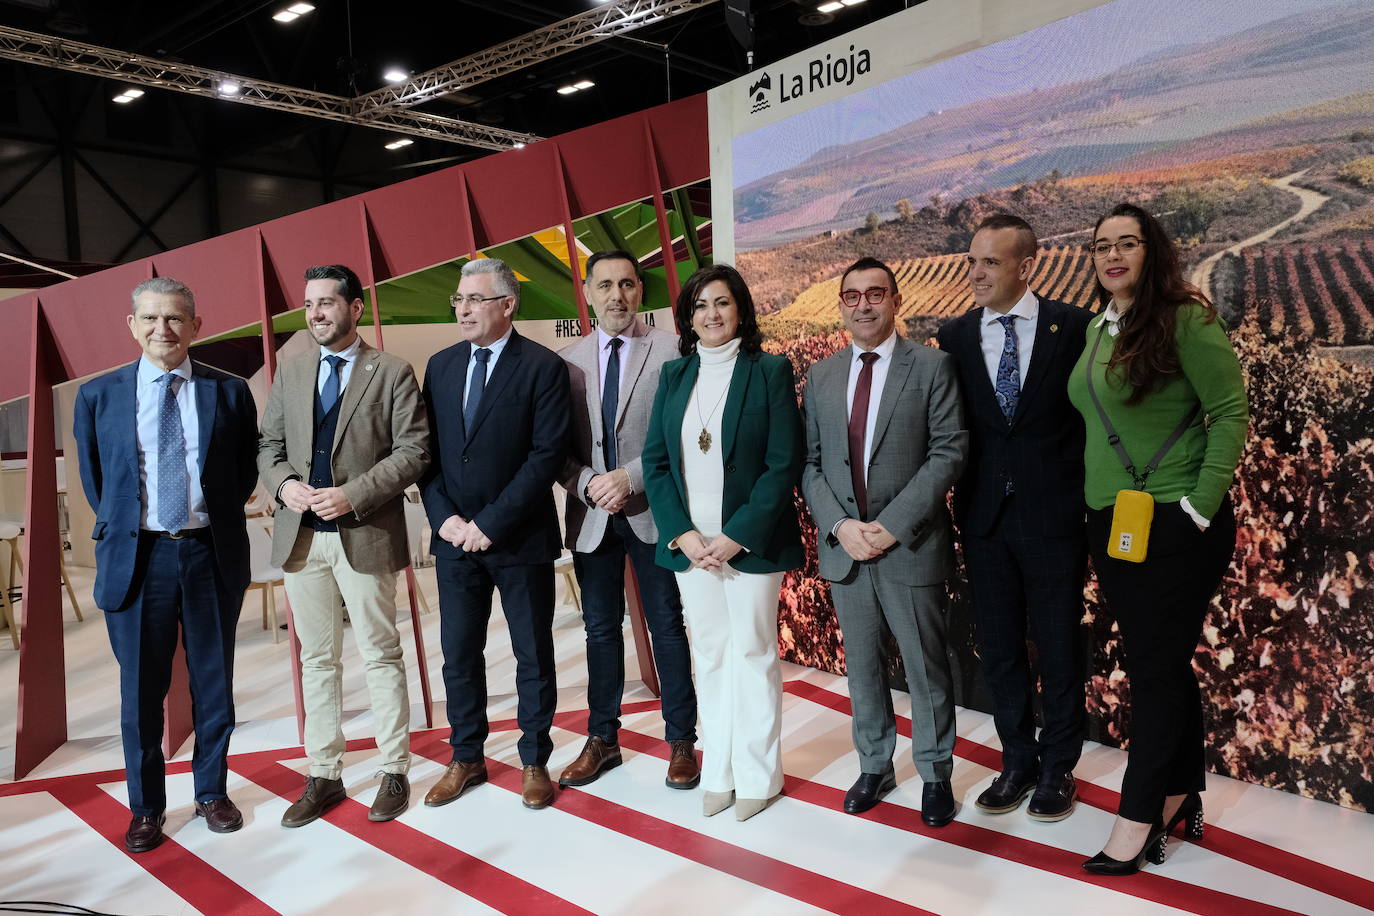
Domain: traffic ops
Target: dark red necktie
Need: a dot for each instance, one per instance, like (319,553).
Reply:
(858,426)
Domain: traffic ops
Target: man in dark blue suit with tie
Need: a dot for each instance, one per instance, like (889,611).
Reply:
(499,410)
(1021,515)
(166,448)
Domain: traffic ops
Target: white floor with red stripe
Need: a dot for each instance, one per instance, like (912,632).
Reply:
(624,844)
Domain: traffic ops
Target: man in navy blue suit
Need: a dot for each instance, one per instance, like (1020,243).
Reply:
(1021,515)
(166,448)
(499,411)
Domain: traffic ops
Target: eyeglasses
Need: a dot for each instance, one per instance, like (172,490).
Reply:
(1125,245)
(473,301)
(874,295)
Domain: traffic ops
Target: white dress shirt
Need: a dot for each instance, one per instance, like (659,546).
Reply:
(875,397)
(603,350)
(148,394)
(495,349)
(993,338)
(349,355)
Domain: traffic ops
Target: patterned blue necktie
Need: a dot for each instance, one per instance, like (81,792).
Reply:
(1008,385)
(173,483)
(476,387)
(330,396)
(610,403)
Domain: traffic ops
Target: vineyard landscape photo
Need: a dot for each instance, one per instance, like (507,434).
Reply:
(1253,141)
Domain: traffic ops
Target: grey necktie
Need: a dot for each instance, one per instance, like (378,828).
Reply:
(173,483)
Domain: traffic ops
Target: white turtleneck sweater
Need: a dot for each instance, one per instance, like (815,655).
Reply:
(704,473)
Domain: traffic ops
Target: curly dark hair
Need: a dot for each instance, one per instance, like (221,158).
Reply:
(750,337)
(1146,356)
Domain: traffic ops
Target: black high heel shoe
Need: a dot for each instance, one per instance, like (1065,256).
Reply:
(1190,814)
(1155,845)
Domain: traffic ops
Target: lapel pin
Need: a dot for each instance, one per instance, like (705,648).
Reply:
(1054,329)
(368,367)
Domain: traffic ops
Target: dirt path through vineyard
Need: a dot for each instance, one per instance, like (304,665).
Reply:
(1311,200)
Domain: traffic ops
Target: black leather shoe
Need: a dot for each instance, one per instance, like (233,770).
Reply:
(1007,791)
(868,790)
(1154,849)
(320,795)
(1189,813)
(144,833)
(1053,799)
(937,803)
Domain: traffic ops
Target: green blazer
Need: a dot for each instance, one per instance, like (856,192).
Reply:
(762,449)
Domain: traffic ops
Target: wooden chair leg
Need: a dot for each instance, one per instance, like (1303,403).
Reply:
(269,589)
(263,597)
(67,581)
(412,588)
(10,621)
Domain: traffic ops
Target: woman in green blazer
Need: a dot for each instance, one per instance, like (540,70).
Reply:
(723,455)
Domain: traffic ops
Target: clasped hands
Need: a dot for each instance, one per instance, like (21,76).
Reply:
(705,554)
(864,540)
(328,503)
(463,534)
(610,490)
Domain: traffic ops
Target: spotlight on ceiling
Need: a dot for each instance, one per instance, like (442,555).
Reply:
(830,7)
(400,144)
(583,84)
(396,75)
(293,12)
(575,87)
(228,87)
(128,95)
(519,145)
(566,90)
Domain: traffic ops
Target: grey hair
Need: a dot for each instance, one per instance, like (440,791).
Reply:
(166,286)
(505,277)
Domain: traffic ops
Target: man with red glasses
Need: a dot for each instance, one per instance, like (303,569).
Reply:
(885,439)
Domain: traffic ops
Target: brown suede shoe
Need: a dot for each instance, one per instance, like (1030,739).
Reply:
(536,791)
(320,795)
(221,815)
(144,833)
(392,798)
(596,758)
(455,780)
(683,770)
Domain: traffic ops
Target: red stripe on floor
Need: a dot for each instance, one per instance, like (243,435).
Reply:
(461,871)
(185,874)
(1284,864)
(756,868)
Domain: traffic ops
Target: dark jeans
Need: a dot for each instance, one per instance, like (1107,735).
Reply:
(1024,585)
(1159,606)
(465,589)
(179,592)
(601,576)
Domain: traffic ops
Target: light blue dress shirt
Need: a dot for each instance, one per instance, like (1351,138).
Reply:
(148,394)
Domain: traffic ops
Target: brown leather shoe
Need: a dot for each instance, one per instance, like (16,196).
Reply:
(392,798)
(536,791)
(144,833)
(221,815)
(683,770)
(455,780)
(596,758)
(320,795)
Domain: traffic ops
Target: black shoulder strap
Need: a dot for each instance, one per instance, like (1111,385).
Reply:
(1115,440)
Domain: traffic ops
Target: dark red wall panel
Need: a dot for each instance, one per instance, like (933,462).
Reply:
(331,234)
(221,272)
(418,223)
(88,319)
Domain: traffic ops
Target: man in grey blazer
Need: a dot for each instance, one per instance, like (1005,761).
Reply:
(343,435)
(614,374)
(885,440)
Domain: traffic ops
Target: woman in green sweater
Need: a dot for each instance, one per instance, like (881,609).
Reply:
(1158,369)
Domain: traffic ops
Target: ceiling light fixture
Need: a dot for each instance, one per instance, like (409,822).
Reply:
(228,87)
(396,75)
(400,144)
(830,7)
(128,95)
(286,16)
(293,12)
(851,2)
(584,84)
(519,145)
(566,90)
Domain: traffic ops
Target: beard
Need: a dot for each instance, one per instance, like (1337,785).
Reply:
(336,332)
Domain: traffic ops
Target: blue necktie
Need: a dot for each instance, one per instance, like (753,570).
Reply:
(476,387)
(330,396)
(173,484)
(610,401)
(1008,385)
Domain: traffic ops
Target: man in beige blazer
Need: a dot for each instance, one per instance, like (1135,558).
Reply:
(343,435)
(613,374)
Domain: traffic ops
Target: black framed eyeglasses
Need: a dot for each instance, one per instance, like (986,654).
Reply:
(456,300)
(1126,245)
(873,295)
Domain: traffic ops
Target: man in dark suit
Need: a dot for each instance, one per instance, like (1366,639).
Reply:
(1020,512)
(885,439)
(166,451)
(614,374)
(499,408)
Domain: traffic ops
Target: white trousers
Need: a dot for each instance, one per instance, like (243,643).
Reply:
(733,619)
(319,581)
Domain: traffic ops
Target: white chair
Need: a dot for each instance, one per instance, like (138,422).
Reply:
(259,504)
(264,575)
(9,533)
(564,567)
(417,523)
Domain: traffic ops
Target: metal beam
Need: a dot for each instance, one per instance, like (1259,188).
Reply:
(569,34)
(78,57)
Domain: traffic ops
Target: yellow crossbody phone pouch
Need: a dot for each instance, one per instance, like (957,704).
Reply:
(1135,509)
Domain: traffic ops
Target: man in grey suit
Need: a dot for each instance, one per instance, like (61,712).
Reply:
(885,440)
(614,374)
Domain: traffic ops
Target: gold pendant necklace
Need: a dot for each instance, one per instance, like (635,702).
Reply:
(704,440)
